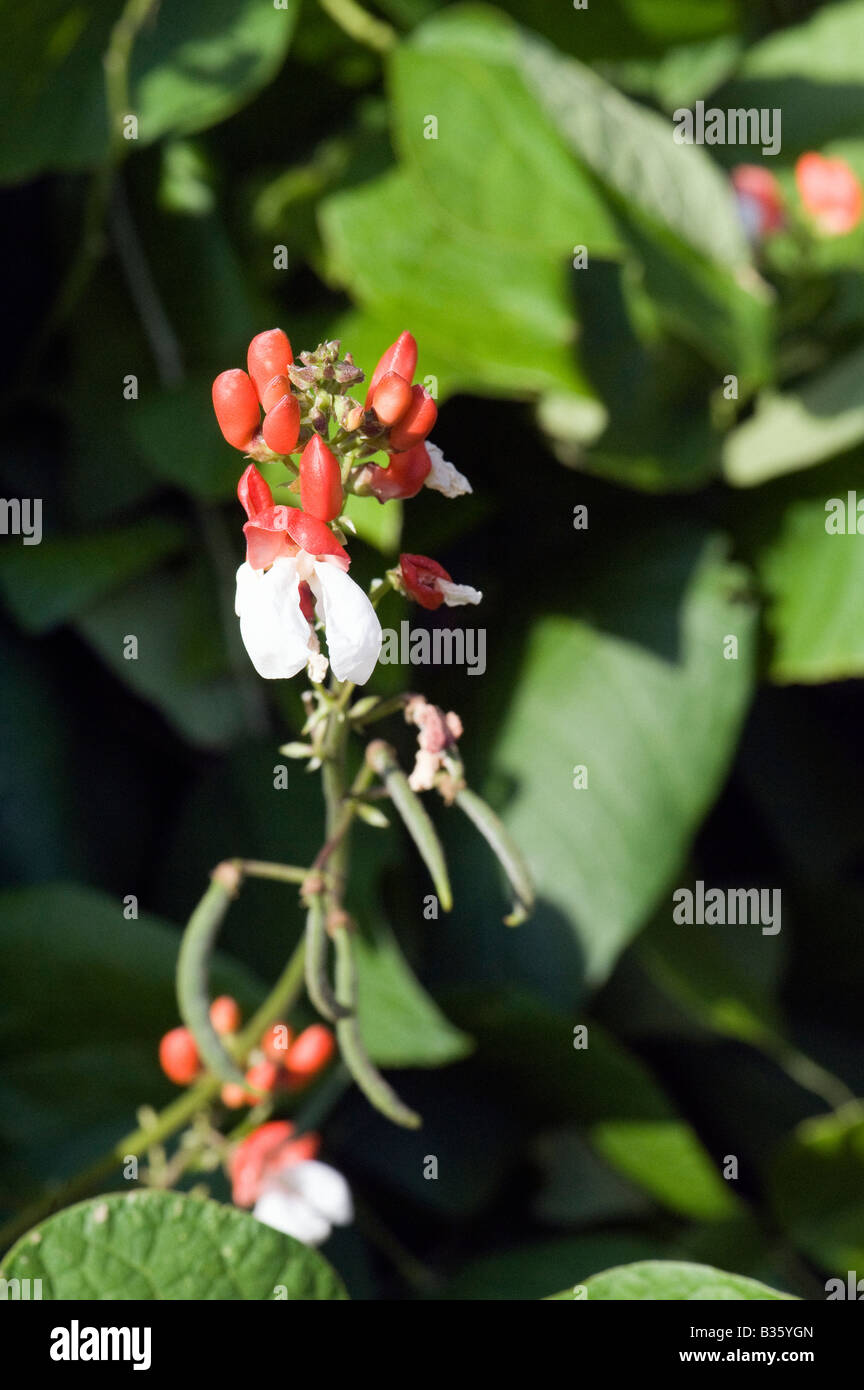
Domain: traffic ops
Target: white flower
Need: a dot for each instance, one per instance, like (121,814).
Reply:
(443,476)
(280,640)
(305,1200)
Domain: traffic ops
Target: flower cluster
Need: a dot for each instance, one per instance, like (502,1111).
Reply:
(282,1062)
(294,581)
(830,194)
(277,1173)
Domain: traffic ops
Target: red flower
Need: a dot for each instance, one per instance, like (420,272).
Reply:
(263,1154)
(830,192)
(420,575)
(274,531)
(429,584)
(760,199)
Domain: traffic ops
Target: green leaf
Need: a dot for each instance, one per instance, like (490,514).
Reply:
(496,169)
(490,317)
(192,65)
(181,665)
(91,994)
(45,585)
(793,430)
(665,1280)
(817,1189)
(400,1023)
(158,1246)
(813,72)
(643,698)
(812,579)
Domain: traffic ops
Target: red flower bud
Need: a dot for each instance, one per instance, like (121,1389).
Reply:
(417,421)
(234,1095)
(269,354)
(420,576)
(277,1040)
(391,398)
(236,407)
(225,1014)
(263,1076)
(400,357)
(273,392)
(320,480)
(178,1056)
(282,425)
(403,477)
(830,192)
(311,1052)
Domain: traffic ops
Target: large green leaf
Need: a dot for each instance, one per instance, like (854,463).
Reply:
(813,72)
(46,584)
(821,418)
(811,578)
(497,170)
(643,698)
(488,315)
(90,993)
(181,665)
(157,1246)
(194,63)
(817,1189)
(400,1023)
(665,1280)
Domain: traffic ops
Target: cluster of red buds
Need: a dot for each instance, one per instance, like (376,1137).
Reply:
(282,1062)
(296,572)
(830,194)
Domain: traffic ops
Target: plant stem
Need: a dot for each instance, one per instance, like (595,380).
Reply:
(363,27)
(280,1000)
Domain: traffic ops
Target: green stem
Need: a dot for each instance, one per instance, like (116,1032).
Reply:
(363,27)
(378,1091)
(174,1117)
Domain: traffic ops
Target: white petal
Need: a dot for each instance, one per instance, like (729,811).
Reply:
(443,476)
(274,631)
(291,1215)
(457,594)
(350,622)
(323,1188)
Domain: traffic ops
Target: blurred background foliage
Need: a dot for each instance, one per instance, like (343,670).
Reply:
(264,128)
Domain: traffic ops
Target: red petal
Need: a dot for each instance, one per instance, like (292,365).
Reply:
(404,475)
(254,492)
(282,425)
(417,421)
(400,357)
(320,480)
(313,535)
(269,354)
